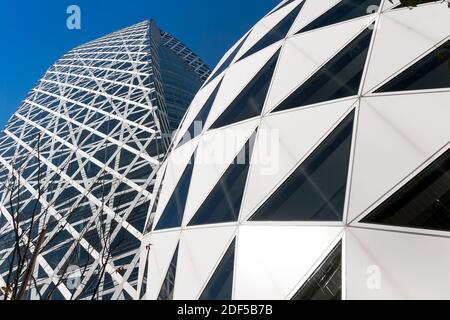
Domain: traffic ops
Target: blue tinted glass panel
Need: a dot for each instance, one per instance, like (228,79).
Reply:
(220,285)
(422,203)
(413,3)
(199,122)
(339,78)
(326,282)
(250,102)
(431,72)
(277,33)
(224,202)
(172,215)
(168,286)
(316,189)
(343,11)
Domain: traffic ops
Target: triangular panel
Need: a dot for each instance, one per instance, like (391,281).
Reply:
(303,54)
(220,286)
(172,216)
(326,282)
(339,78)
(272,260)
(168,285)
(250,101)
(395,136)
(161,247)
(227,62)
(200,252)
(197,104)
(423,202)
(277,33)
(431,72)
(310,11)
(278,151)
(423,27)
(198,123)
(343,11)
(316,190)
(224,202)
(396,265)
(216,151)
(281,6)
(237,78)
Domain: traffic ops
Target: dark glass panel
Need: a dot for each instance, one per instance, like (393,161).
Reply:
(343,11)
(250,101)
(277,33)
(431,72)
(224,202)
(316,189)
(423,203)
(199,122)
(172,215)
(413,3)
(339,78)
(282,6)
(220,285)
(168,285)
(326,282)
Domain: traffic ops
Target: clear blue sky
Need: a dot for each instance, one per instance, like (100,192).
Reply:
(34,33)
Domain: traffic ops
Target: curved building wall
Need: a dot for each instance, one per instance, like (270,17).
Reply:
(313,163)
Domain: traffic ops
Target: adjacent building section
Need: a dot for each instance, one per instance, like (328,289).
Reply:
(78,162)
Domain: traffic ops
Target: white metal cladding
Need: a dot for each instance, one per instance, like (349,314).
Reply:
(86,144)
(339,109)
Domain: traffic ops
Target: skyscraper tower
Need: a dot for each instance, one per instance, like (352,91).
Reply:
(78,162)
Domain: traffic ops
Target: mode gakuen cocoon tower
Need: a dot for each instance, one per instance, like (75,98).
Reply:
(314,163)
(78,162)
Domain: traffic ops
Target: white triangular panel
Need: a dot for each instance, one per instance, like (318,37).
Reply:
(162,249)
(310,11)
(237,78)
(176,164)
(272,260)
(395,135)
(197,104)
(199,254)
(393,265)
(216,152)
(423,26)
(387,4)
(264,26)
(278,150)
(303,55)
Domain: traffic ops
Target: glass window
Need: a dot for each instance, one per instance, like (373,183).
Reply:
(413,3)
(343,11)
(250,102)
(431,72)
(326,281)
(423,203)
(277,33)
(199,122)
(220,285)
(339,78)
(282,6)
(316,189)
(172,215)
(168,286)
(224,202)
